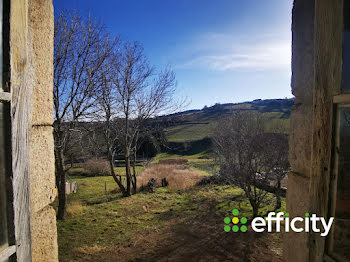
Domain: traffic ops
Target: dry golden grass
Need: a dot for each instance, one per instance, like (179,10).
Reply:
(179,176)
(74,208)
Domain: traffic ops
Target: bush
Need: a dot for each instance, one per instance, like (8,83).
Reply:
(97,167)
(150,187)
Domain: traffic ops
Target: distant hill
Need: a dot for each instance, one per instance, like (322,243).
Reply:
(194,125)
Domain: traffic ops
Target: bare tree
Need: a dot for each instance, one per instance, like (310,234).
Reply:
(107,116)
(81,49)
(249,157)
(142,93)
(276,152)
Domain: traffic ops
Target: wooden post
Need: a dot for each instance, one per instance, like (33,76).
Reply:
(22,84)
(105,187)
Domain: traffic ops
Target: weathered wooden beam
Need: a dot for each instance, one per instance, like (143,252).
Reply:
(22,84)
(5,254)
(5,97)
(342,99)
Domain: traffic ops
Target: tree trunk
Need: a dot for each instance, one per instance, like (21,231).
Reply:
(255,207)
(255,211)
(278,195)
(62,184)
(127,151)
(134,185)
(119,182)
(57,173)
(71,161)
(128,174)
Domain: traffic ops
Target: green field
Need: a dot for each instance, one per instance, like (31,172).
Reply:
(196,125)
(190,132)
(97,221)
(198,130)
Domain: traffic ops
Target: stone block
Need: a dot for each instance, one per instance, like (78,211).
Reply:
(303,50)
(42,167)
(42,20)
(44,235)
(296,244)
(300,140)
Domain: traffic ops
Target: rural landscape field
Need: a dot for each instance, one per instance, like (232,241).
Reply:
(180,222)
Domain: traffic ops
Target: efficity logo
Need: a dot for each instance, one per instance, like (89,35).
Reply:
(274,220)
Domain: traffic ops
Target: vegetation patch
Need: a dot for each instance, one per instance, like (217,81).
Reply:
(101,224)
(178,175)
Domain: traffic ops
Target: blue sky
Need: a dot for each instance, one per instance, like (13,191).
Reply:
(221,51)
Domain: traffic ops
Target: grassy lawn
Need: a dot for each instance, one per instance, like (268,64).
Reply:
(101,225)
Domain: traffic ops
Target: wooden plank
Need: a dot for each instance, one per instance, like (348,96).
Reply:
(334,176)
(5,97)
(342,99)
(20,170)
(22,84)
(5,254)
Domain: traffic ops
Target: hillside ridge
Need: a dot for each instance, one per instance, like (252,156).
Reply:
(197,124)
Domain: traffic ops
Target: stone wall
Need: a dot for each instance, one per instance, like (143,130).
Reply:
(295,244)
(316,66)
(42,160)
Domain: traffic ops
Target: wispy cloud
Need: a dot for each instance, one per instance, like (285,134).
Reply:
(219,52)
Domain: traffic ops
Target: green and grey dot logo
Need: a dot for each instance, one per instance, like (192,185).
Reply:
(275,221)
(235,224)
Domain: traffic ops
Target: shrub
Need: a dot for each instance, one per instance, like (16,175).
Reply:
(97,167)
(213,180)
(150,187)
